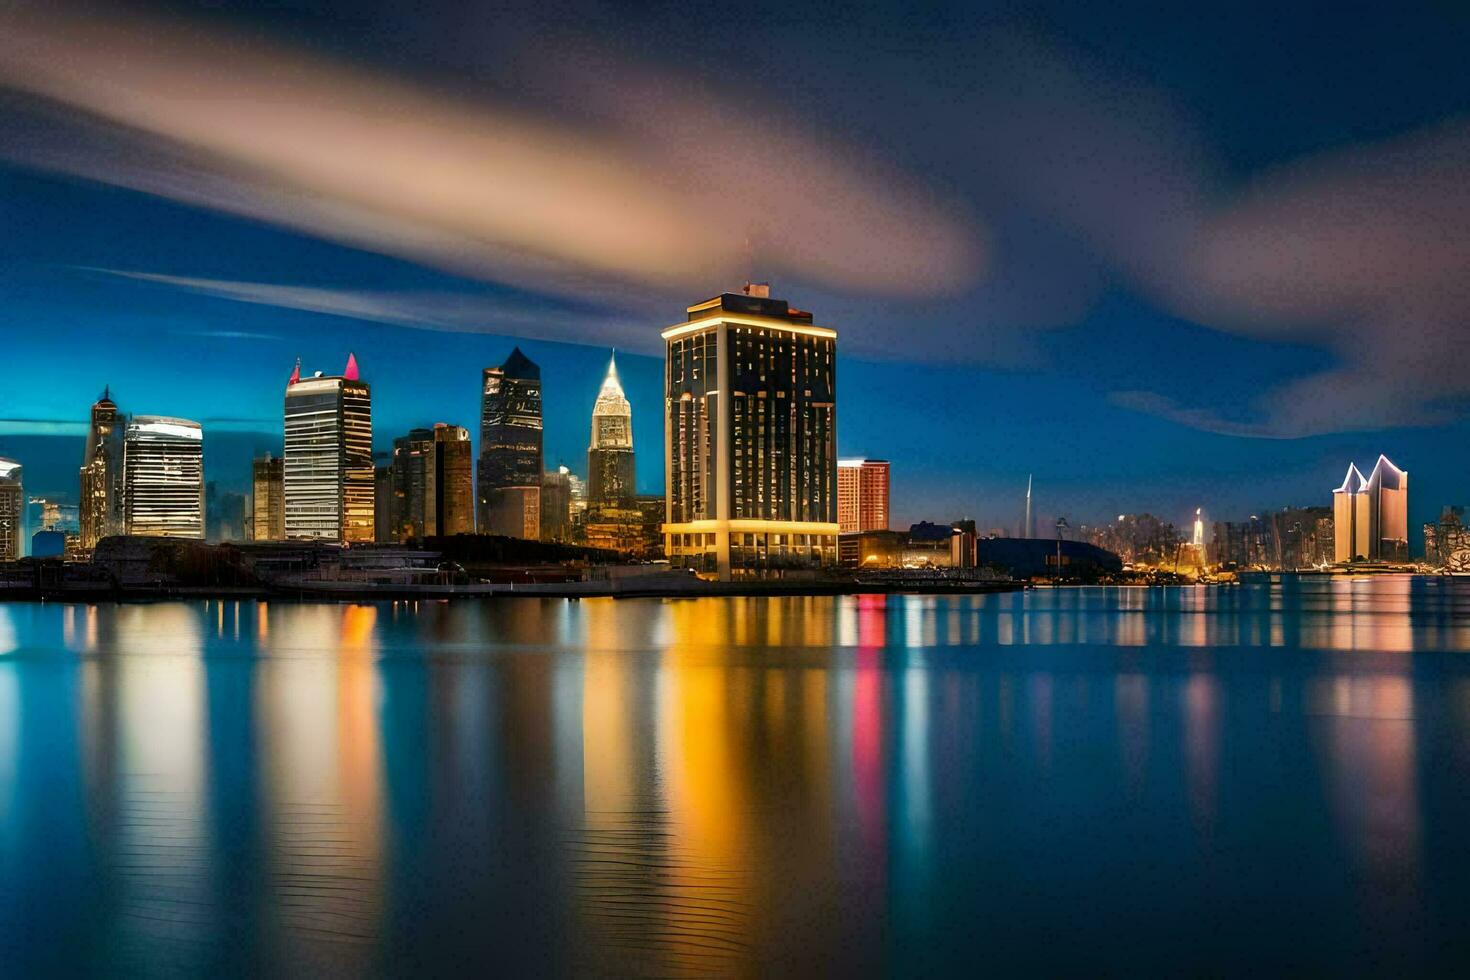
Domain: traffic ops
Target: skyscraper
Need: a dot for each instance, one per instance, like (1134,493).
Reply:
(750,420)
(454,480)
(163,477)
(556,505)
(1350,517)
(510,448)
(267,487)
(610,470)
(862,495)
(1388,513)
(101,502)
(411,511)
(1371,517)
(12,510)
(327,480)
(432,483)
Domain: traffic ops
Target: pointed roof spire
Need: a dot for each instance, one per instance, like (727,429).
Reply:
(295,374)
(350,372)
(1352,482)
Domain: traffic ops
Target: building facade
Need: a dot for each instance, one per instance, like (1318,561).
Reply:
(163,477)
(12,510)
(750,418)
(100,512)
(862,495)
(431,484)
(1447,541)
(268,498)
(510,448)
(454,480)
(610,469)
(1371,516)
(327,476)
(556,505)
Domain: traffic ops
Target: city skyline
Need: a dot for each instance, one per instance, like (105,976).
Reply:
(1016,315)
(231,479)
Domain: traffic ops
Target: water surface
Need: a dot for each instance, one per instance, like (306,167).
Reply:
(1086,781)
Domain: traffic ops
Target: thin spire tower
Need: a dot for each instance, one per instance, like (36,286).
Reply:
(1026,528)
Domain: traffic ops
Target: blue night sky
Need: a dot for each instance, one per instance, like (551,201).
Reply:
(1160,259)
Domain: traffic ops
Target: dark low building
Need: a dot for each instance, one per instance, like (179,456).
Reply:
(1031,557)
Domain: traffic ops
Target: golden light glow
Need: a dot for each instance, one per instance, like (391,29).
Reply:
(739,526)
(683,329)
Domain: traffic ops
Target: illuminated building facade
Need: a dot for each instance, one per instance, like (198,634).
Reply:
(862,495)
(163,477)
(750,420)
(1371,516)
(556,505)
(431,484)
(328,486)
(610,471)
(268,500)
(454,480)
(100,512)
(510,448)
(12,509)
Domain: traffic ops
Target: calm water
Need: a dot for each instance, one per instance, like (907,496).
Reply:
(1089,781)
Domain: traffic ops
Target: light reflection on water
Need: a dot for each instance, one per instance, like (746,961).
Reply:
(1075,779)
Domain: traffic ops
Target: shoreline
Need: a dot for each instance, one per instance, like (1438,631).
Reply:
(628,589)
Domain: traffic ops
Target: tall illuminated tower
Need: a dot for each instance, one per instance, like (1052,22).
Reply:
(862,494)
(510,448)
(610,472)
(163,477)
(1370,517)
(327,476)
(750,436)
(12,510)
(100,512)
(1388,512)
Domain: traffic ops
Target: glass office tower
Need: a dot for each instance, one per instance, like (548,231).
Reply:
(510,448)
(750,418)
(163,477)
(100,510)
(328,482)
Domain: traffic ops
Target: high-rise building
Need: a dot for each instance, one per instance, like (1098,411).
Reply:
(862,495)
(383,504)
(1350,517)
(556,505)
(163,477)
(610,470)
(100,511)
(411,510)
(431,484)
(12,510)
(1371,517)
(454,479)
(327,476)
(510,448)
(268,498)
(750,435)
(1388,513)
